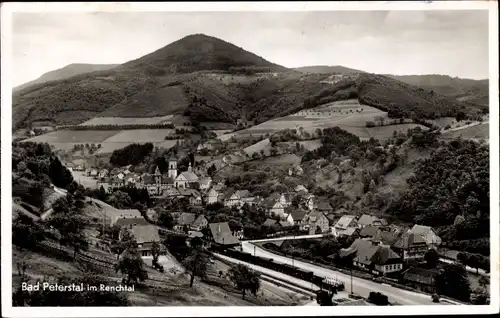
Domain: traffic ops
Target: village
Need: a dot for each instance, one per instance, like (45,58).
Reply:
(371,245)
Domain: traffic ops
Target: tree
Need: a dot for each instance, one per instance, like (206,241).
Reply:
(155,252)
(432,258)
(26,233)
(68,220)
(453,281)
(130,263)
(244,279)
(483,281)
(120,200)
(196,264)
(166,219)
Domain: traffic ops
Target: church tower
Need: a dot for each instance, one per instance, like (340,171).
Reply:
(172,168)
(158,180)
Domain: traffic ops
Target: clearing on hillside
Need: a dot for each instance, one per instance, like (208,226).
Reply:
(69,136)
(478,131)
(349,115)
(127,121)
(141,135)
(264,145)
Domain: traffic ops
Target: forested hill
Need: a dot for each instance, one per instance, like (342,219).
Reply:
(210,79)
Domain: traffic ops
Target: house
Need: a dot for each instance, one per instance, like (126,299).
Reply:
(430,237)
(323,206)
(372,257)
(94,173)
(273,206)
(184,220)
(345,222)
(116,182)
(420,278)
(156,183)
(221,235)
(186,179)
(309,201)
(125,213)
(368,231)
(145,236)
(103,173)
(232,198)
(412,246)
(245,197)
(199,223)
(212,196)
(238,234)
(351,231)
(130,222)
(317,222)
(193,196)
(366,220)
(385,236)
(300,188)
(120,175)
(296,217)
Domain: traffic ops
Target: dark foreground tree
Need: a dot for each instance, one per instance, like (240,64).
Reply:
(244,279)
(196,264)
(26,233)
(431,258)
(131,264)
(452,281)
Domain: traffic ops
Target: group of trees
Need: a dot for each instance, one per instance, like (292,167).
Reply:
(450,190)
(92,148)
(35,167)
(120,127)
(453,281)
(131,155)
(69,221)
(474,260)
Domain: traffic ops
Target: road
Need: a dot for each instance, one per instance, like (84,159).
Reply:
(360,286)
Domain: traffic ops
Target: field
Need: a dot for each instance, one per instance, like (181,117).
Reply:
(258,147)
(109,140)
(349,115)
(140,135)
(68,136)
(308,144)
(478,131)
(127,121)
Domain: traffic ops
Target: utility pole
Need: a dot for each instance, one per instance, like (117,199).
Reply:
(254,251)
(351,281)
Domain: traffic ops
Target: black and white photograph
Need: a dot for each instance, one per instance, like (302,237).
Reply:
(207,157)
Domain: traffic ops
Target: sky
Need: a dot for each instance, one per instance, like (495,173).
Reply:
(448,42)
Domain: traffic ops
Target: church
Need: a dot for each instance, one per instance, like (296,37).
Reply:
(157,183)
